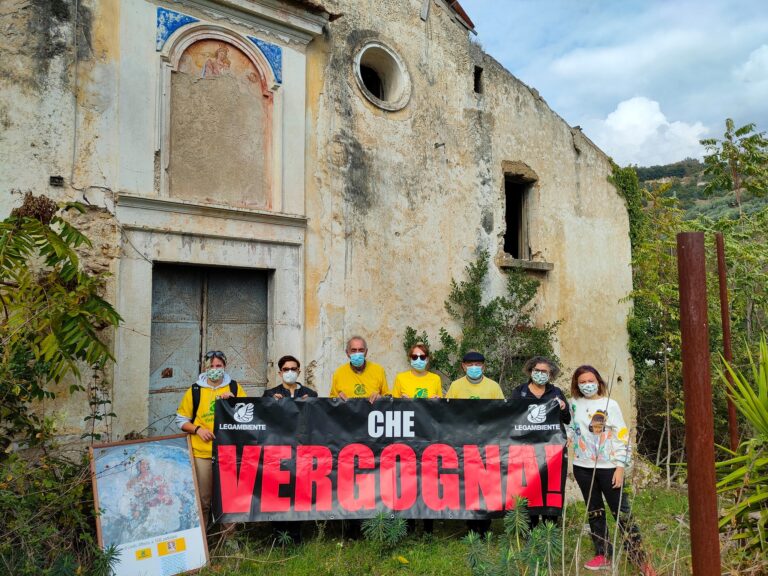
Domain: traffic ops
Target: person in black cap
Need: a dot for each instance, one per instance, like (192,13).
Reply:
(475,386)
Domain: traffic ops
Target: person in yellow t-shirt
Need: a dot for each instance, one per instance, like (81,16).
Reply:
(359,378)
(418,383)
(214,383)
(475,386)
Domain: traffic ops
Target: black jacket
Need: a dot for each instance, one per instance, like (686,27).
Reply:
(550,392)
(301,392)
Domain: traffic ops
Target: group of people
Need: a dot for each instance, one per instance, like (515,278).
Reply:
(593,421)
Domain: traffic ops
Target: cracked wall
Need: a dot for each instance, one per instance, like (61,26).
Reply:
(400,202)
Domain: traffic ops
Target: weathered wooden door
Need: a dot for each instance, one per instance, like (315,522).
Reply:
(195,309)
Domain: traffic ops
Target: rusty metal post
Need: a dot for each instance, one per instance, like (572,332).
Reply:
(722,275)
(699,421)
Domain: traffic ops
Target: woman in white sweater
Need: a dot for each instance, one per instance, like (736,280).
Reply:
(600,440)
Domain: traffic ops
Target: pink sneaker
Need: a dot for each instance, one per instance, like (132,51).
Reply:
(599,562)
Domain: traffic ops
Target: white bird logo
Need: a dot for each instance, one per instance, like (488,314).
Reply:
(243,412)
(537,413)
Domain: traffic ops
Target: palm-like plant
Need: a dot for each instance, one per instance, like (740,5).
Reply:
(744,476)
(522,551)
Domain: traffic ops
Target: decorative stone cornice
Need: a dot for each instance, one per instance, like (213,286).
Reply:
(287,23)
(207,210)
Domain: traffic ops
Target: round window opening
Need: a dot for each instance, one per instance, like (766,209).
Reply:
(382,77)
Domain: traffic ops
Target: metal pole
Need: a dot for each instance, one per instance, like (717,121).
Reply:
(699,422)
(733,426)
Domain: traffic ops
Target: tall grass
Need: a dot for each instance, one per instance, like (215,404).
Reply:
(660,513)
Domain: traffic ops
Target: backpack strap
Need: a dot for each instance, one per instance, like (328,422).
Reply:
(196,396)
(195,400)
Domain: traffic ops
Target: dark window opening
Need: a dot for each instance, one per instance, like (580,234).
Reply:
(515,239)
(372,81)
(478,80)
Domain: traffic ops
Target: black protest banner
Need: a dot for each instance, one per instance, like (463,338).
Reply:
(327,459)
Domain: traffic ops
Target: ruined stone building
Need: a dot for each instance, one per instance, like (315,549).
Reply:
(269,177)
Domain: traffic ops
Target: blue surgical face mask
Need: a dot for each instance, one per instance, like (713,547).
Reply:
(475,372)
(589,389)
(357,359)
(215,374)
(418,364)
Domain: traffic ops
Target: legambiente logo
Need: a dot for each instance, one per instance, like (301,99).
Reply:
(243,413)
(537,415)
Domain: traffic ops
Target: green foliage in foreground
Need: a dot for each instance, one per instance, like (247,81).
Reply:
(51,315)
(521,551)
(51,320)
(47,523)
(502,328)
(744,476)
(661,515)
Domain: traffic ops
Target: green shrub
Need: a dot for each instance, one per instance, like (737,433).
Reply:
(47,517)
(502,328)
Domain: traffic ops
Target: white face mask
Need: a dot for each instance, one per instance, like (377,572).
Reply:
(589,389)
(290,376)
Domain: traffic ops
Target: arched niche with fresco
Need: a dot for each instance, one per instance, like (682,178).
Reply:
(219,122)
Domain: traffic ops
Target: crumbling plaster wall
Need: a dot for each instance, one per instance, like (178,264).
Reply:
(58,70)
(400,202)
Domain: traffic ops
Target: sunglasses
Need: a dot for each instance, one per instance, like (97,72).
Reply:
(216,354)
(418,356)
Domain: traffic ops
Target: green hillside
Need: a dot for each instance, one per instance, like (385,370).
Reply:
(687,180)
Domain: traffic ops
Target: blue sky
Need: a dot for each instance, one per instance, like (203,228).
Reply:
(645,80)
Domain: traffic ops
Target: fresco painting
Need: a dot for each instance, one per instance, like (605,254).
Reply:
(148,505)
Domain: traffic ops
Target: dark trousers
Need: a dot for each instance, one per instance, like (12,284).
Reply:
(481,527)
(594,491)
(429,526)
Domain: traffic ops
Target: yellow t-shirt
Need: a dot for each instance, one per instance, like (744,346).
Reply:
(359,384)
(204,416)
(486,389)
(426,386)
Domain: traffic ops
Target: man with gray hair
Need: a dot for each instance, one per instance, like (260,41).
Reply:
(359,378)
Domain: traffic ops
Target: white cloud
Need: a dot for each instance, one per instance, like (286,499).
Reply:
(638,132)
(755,69)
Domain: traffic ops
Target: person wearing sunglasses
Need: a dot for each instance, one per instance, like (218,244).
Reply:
(359,378)
(418,382)
(289,369)
(195,417)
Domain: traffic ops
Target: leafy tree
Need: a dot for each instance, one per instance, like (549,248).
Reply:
(502,328)
(737,162)
(51,317)
(654,322)
(51,320)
